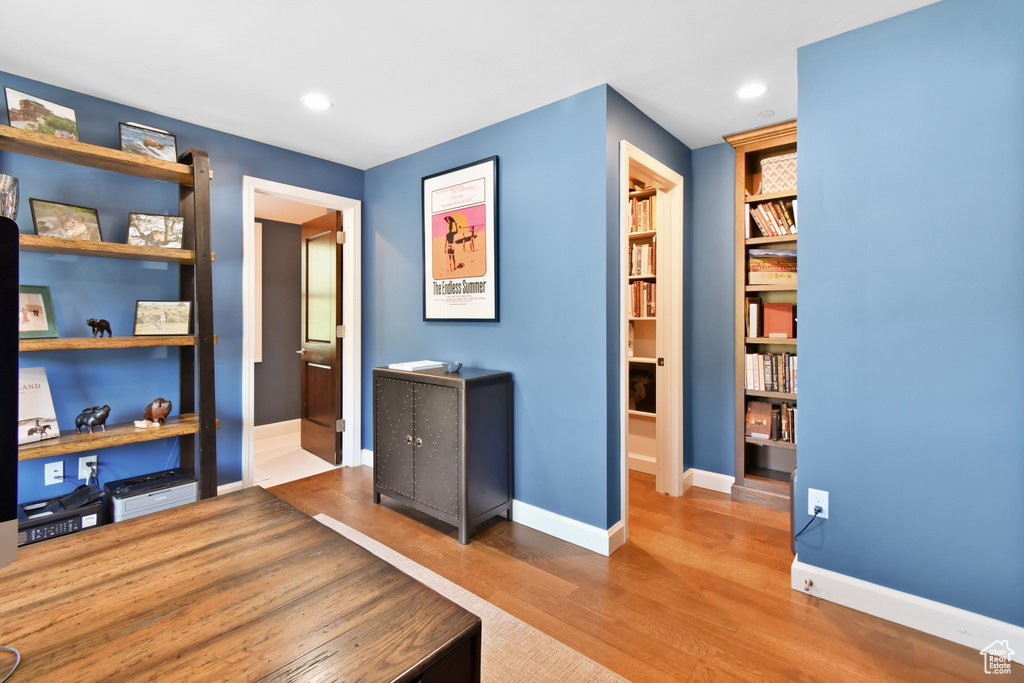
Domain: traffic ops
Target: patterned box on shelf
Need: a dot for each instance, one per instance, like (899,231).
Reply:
(778,174)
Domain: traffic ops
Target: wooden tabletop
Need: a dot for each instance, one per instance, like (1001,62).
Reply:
(238,587)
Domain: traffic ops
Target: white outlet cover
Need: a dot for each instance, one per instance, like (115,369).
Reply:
(83,469)
(816,497)
(54,472)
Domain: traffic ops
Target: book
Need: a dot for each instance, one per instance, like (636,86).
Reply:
(758,421)
(753,317)
(416,365)
(778,320)
(37,420)
(771,267)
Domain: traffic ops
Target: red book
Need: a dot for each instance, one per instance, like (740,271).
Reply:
(778,320)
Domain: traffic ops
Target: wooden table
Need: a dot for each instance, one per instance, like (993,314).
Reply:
(239,587)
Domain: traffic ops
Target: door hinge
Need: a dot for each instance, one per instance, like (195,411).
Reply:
(341,331)
(341,236)
(339,426)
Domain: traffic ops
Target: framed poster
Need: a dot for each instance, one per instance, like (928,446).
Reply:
(162,318)
(460,243)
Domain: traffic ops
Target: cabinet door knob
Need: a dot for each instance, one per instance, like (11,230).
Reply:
(419,442)
(408,438)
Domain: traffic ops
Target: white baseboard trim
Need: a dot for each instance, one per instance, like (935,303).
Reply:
(228,488)
(365,458)
(601,541)
(712,480)
(276,429)
(642,463)
(935,618)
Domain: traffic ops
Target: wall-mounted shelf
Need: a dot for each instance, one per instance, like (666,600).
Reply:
(115,435)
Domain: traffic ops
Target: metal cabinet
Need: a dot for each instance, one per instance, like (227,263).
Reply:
(442,443)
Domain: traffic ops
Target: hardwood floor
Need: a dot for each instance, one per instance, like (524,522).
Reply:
(699,593)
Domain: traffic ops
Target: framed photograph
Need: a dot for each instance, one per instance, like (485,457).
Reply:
(39,116)
(35,313)
(151,230)
(67,221)
(460,243)
(149,142)
(162,318)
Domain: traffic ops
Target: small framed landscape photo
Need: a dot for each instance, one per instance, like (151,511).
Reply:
(35,313)
(39,116)
(52,219)
(149,142)
(162,318)
(151,230)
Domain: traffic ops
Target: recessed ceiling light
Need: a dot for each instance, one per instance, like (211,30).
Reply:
(752,90)
(766,113)
(316,101)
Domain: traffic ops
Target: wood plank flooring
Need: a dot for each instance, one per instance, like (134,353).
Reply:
(699,593)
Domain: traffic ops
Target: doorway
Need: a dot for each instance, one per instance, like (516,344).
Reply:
(651,435)
(258,193)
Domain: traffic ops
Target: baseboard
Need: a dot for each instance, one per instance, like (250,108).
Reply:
(276,429)
(712,480)
(228,488)
(935,618)
(365,458)
(642,463)
(569,530)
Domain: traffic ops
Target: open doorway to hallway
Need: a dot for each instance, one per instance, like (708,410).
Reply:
(282,208)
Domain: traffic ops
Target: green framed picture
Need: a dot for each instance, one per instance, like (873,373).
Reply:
(35,313)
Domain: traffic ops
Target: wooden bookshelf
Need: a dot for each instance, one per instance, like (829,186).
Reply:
(196,368)
(115,435)
(763,466)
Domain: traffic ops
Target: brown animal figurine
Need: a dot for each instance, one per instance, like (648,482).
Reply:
(99,326)
(158,410)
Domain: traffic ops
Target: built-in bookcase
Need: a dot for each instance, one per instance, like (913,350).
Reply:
(652,274)
(766,362)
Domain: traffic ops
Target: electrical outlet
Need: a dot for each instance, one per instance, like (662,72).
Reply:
(816,498)
(83,465)
(54,472)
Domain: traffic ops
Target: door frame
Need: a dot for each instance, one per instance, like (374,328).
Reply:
(670,477)
(351,298)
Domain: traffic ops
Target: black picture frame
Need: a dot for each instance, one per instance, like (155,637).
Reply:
(147,141)
(66,221)
(162,318)
(37,115)
(460,243)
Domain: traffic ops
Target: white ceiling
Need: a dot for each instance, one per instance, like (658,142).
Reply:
(407,74)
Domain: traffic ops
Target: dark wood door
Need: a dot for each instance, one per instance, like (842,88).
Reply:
(321,345)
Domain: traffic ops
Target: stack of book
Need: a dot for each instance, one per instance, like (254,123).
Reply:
(643,259)
(643,296)
(770,422)
(776,218)
(641,213)
(771,372)
(771,267)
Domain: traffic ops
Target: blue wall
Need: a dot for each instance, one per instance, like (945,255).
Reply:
(708,336)
(553,278)
(558,245)
(911,188)
(80,379)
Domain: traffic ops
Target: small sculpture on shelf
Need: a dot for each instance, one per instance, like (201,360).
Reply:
(99,327)
(92,418)
(157,411)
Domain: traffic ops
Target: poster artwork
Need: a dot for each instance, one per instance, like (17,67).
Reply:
(459,244)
